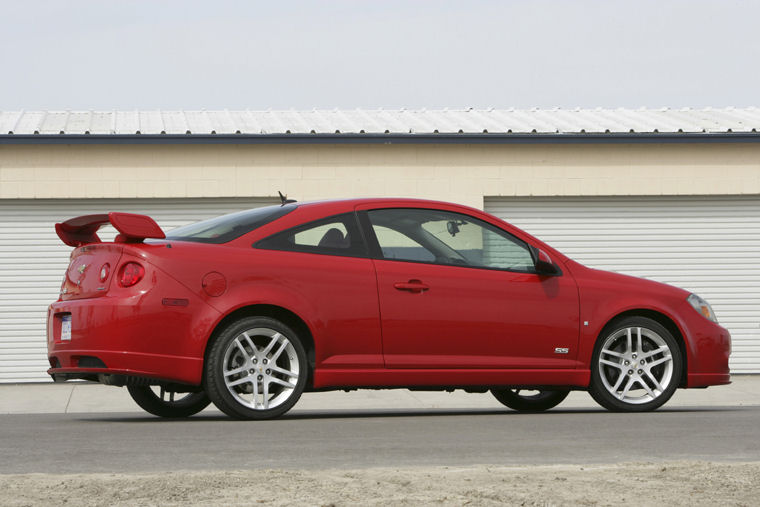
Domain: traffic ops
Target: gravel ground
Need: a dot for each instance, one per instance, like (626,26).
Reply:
(665,483)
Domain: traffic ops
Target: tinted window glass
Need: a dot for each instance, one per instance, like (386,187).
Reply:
(228,227)
(396,245)
(338,235)
(448,238)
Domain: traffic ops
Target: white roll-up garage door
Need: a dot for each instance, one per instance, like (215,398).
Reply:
(707,245)
(33,260)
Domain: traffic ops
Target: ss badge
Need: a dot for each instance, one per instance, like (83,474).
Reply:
(561,350)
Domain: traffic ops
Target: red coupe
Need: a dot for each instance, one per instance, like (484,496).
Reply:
(249,310)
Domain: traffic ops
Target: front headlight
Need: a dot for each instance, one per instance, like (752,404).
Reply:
(702,306)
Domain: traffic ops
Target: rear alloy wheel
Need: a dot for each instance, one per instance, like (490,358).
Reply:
(529,400)
(256,369)
(636,366)
(158,401)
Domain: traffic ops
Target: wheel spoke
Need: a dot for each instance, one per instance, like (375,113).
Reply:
(275,339)
(659,361)
(276,355)
(255,393)
(281,382)
(629,345)
(651,353)
(612,363)
(626,388)
(638,339)
(283,371)
(620,379)
(612,353)
(242,350)
(647,388)
(171,396)
(229,373)
(265,397)
(233,383)
(162,393)
(654,380)
(250,343)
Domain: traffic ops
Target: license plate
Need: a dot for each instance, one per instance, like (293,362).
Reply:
(66,328)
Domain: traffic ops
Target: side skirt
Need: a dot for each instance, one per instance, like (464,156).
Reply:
(346,378)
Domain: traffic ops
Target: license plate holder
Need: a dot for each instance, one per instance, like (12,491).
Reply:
(66,328)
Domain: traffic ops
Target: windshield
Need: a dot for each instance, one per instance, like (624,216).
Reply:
(228,227)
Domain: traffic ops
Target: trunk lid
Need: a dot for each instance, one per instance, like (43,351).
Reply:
(91,270)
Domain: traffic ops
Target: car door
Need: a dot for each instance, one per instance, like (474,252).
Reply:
(458,292)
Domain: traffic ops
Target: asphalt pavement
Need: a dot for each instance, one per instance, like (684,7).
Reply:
(345,439)
(94,428)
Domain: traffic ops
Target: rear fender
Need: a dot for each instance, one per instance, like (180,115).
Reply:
(237,298)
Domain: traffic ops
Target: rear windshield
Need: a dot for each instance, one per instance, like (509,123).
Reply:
(228,227)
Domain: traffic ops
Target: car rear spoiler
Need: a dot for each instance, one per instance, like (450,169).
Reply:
(132,228)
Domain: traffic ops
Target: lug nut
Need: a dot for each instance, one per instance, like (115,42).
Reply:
(643,362)
(251,371)
(641,371)
(269,372)
(261,377)
(254,360)
(634,356)
(265,361)
(626,363)
(630,372)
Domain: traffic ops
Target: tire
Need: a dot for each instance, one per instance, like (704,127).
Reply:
(636,366)
(186,405)
(539,402)
(256,369)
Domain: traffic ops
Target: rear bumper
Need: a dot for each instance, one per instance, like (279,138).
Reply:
(123,363)
(135,336)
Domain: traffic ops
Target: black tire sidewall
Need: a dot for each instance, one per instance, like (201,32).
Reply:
(214,378)
(514,401)
(148,401)
(604,397)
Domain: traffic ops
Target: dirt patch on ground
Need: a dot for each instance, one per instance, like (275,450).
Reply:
(674,483)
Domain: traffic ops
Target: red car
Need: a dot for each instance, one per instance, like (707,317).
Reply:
(249,310)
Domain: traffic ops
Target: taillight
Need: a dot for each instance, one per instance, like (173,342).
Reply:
(131,273)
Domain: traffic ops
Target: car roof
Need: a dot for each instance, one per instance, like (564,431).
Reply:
(352,203)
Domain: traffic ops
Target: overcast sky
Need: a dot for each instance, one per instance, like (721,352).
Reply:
(347,54)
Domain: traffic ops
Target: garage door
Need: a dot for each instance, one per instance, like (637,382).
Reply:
(710,246)
(33,260)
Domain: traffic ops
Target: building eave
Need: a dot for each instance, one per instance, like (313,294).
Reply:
(351,138)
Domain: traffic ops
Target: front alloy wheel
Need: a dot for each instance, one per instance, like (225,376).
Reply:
(256,369)
(636,366)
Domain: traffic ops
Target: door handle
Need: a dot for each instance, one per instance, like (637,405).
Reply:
(415,286)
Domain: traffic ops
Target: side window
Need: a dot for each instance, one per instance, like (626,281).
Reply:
(338,235)
(443,237)
(396,245)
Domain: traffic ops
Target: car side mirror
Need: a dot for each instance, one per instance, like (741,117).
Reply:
(545,266)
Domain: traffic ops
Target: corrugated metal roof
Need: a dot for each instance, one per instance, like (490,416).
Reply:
(381,121)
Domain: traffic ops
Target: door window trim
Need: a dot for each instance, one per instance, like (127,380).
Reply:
(375,251)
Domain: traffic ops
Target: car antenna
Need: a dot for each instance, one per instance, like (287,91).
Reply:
(284,199)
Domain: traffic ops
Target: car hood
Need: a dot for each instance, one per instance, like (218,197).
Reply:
(586,277)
